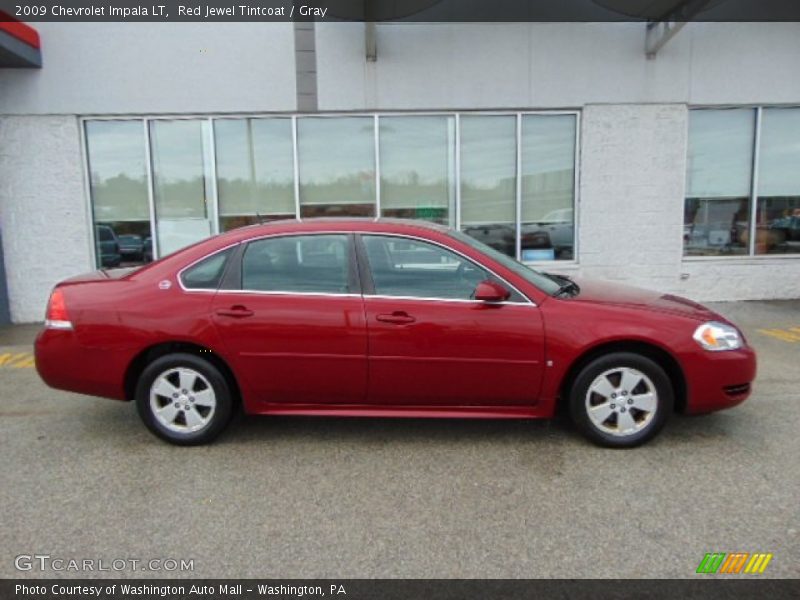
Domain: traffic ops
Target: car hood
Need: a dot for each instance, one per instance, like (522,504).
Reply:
(617,294)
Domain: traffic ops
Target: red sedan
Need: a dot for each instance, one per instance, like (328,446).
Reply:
(383,318)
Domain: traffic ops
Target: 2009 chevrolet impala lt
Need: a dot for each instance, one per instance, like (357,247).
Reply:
(383,318)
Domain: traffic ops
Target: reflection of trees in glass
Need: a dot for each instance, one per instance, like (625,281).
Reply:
(181,198)
(350,188)
(262,198)
(336,160)
(120,197)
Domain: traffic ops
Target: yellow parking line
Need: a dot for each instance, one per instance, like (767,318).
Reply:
(791,335)
(19,360)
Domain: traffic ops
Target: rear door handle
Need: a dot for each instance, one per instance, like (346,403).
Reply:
(238,311)
(398,317)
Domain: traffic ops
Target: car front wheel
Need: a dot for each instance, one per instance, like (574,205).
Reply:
(621,400)
(183,399)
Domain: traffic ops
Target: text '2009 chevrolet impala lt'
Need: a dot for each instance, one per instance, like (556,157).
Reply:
(383,318)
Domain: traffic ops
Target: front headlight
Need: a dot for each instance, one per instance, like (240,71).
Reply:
(716,336)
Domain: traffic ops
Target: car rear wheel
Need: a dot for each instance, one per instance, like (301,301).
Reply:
(183,399)
(621,400)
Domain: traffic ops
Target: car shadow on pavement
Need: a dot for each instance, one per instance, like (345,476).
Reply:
(117,420)
(246,429)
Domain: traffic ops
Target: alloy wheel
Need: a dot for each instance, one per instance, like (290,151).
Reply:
(182,400)
(621,401)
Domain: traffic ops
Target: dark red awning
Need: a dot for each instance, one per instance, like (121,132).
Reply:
(20,46)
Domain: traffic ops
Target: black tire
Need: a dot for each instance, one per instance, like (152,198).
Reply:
(217,419)
(649,423)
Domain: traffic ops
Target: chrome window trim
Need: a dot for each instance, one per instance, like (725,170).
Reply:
(285,293)
(459,300)
(527,302)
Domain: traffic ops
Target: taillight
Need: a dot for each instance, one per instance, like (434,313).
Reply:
(57,317)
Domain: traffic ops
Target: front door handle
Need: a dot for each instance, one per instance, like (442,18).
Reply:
(398,317)
(238,311)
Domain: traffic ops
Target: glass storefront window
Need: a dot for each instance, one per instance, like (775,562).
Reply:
(417,156)
(336,160)
(206,175)
(118,186)
(548,187)
(489,180)
(255,170)
(181,186)
(719,170)
(778,208)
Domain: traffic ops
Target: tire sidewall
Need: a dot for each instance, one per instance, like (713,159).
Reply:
(589,373)
(222,410)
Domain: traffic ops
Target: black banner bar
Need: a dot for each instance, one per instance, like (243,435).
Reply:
(401,10)
(397,589)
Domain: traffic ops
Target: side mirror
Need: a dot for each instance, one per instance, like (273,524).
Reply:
(489,291)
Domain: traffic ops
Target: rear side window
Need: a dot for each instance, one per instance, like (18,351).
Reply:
(207,274)
(303,263)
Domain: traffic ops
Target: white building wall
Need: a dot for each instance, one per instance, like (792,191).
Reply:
(43,209)
(554,65)
(630,208)
(134,68)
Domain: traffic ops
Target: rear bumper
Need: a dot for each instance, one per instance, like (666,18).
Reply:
(65,364)
(718,380)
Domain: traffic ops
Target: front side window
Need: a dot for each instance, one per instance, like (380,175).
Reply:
(718,180)
(206,274)
(303,263)
(412,268)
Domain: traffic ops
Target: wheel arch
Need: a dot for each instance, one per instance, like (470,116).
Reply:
(656,353)
(151,353)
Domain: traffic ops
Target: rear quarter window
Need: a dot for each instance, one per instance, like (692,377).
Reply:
(206,274)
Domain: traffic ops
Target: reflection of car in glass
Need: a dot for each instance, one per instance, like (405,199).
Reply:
(383,318)
(131,246)
(499,237)
(790,225)
(554,230)
(108,246)
(147,249)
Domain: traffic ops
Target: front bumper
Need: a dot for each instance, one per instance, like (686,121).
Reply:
(718,380)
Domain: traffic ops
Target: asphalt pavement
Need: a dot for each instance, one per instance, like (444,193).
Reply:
(290,497)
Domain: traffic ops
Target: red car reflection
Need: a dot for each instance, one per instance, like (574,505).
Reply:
(383,318)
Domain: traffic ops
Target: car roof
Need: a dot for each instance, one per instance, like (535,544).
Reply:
(336,224)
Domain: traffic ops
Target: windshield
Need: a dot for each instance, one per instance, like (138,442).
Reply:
(541,281)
